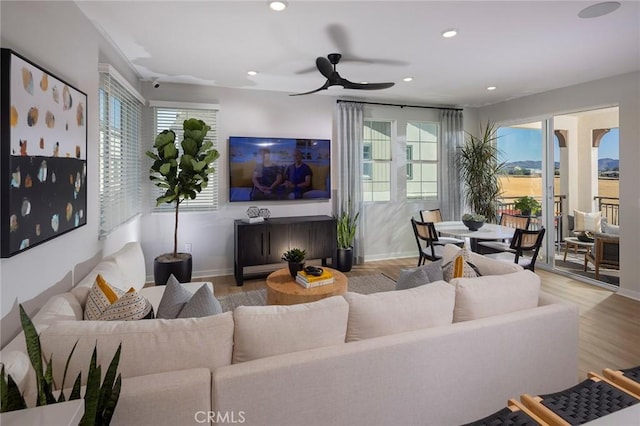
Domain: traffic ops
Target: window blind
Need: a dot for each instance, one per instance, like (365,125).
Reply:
(173,117)
(120,124)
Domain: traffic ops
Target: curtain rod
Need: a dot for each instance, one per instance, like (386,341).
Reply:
(399,105)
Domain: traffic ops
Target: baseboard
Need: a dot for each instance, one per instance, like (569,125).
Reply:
(390,256)
(635,295)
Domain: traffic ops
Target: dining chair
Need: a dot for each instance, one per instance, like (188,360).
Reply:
(523,241)
(433,215)
(512,221)
(425,233)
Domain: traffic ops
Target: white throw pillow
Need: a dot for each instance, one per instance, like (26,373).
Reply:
(494,295)
(583,221)
(390,312)
(262,331)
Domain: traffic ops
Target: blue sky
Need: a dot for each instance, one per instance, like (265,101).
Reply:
(519,144)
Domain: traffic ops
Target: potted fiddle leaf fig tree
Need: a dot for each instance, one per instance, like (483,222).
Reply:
(181,174)
(480,169)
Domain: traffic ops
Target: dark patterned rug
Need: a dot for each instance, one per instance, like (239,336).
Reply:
(365,284)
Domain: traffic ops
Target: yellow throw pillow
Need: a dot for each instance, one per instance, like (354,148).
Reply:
(460,267)
(101,296)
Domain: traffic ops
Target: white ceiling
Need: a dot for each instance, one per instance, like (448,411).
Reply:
(522,47)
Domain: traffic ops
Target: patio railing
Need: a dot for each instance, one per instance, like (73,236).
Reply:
(507,205)
(609,207)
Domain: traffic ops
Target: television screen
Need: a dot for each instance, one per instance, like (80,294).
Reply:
(279,169)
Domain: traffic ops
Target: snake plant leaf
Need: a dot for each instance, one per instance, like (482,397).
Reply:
(34,350)
(109,378)
(92,393)
(75,391)
(110,406)
(48,383)
(10,396)
(64,375)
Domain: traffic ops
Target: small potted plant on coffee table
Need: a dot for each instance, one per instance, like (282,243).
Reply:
(295,257)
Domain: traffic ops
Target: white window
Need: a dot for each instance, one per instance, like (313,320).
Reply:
(376,161)
(167,116)
(422,160)
(119,121)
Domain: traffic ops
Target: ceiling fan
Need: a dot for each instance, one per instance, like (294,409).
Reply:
(327,67)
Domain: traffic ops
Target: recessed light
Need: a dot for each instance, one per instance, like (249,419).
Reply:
(599,9)
(491,88)
(364,82)
(252,73)
(407,79)
(278,6)
(449,33)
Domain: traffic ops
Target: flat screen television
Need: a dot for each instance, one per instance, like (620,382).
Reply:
(279,169)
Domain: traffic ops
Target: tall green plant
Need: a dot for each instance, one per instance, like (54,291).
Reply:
(480,168)
(99,400)
(346,228)
(182,176)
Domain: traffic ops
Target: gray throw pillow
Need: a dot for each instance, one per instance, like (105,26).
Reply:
(202,304)
(410,278)
(173,299)
(610,229)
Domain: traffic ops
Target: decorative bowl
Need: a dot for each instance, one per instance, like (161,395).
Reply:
(473,225)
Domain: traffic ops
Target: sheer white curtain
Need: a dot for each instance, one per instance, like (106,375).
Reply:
(452,137)
(349,123)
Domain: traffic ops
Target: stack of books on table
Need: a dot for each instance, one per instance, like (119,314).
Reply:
(310,281)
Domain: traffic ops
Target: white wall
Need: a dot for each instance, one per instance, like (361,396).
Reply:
(623,91)
(58,37)
(242,113)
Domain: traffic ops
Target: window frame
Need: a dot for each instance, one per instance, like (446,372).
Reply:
(411,163)
(372,161)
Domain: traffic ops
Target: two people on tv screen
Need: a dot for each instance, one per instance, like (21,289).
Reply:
(271,181)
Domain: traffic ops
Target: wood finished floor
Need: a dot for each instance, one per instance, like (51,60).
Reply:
(609,324)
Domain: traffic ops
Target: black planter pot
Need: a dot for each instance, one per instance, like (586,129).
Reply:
(344,259)
(165,265)
(294,267)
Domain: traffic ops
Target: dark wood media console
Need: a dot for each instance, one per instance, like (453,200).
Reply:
(264,243)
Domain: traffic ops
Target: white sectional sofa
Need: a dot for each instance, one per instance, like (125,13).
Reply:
(354,360)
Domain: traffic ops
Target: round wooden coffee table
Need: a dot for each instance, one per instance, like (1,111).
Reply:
(282,289)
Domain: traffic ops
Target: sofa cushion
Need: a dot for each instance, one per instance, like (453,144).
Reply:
(201,304)
(61,307)
(410,278)
(130,306)
(262,331)
(460,266)
(147,346)
(584,221)
(130,261)
(101,296)
(495,294)
(390,312)
(610,229)
(173,299)
(109,271)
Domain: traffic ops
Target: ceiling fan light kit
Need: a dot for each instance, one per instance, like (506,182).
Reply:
(327,67)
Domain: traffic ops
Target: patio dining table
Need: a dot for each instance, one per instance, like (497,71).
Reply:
(489,231)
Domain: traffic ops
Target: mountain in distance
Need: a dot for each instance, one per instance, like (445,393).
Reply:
(603,164)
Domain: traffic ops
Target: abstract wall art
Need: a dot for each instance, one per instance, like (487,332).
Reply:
(43,155)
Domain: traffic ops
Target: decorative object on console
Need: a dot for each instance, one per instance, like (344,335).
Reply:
(43,155)
(295,257)
(346,224)
(181,175)
(100,399)
(473,221)
(527,205)
(265,213)
(253,211)
(480,170)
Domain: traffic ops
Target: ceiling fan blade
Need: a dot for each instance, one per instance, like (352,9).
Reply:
(324,66)
(324,87)
(365,86)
